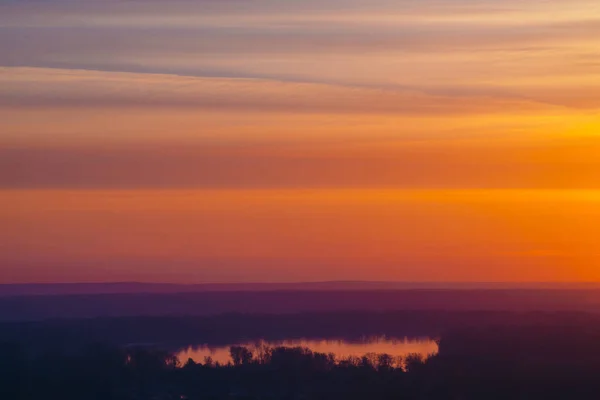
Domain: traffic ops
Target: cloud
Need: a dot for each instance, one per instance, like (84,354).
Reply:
(31,87)
(406,42)
(38,45)
(449,163)
(429,70)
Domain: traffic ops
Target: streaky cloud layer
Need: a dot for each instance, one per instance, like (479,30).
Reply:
(77,88)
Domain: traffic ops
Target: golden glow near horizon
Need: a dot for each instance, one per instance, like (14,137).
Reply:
(301,234)
(282,141)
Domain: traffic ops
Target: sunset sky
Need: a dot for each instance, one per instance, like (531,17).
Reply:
(269,141)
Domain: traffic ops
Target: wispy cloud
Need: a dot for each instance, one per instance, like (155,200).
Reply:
(80,88)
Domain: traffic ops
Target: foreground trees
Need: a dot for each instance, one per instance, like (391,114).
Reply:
(103,372)
(556,359)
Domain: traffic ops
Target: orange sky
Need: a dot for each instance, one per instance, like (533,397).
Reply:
(299,141)
(300,235)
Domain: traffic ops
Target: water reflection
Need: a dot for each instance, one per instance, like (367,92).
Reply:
(340,347)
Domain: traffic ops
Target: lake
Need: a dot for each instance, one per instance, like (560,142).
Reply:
(340,347)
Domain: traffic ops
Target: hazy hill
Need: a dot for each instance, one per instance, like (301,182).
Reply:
(36,289)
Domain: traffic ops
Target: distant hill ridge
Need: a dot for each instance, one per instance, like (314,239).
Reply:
(44,289)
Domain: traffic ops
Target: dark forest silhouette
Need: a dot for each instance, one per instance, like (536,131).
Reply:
(31,308)
(528,356)
(225,329)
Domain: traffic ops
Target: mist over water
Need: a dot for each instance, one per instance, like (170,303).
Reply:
(341,348)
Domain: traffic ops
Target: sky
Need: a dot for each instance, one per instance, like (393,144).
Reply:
(282,141)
